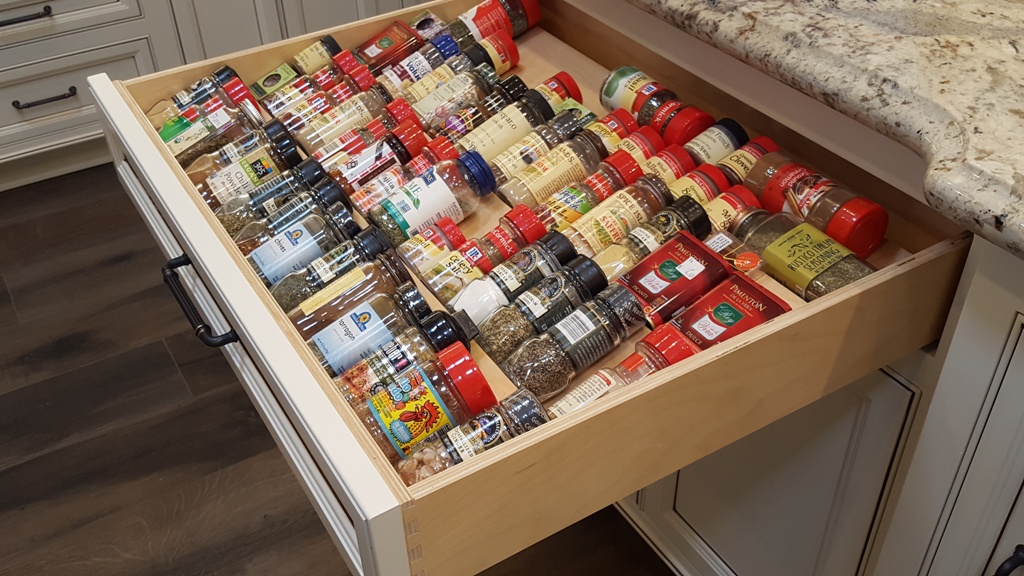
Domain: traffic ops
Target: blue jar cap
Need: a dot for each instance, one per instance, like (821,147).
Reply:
(446,45)
(480,171)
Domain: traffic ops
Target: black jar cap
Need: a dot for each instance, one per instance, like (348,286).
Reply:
(590,273)
(332,46)
(560,247)
(695,216)
(442,329)
(342,219)
(311,172)
(223,75)
(735,129)
(328,193)
(372,242)
(283,143)
(513,87)
(411,299)
(477,55)
(540,103)
(384,93)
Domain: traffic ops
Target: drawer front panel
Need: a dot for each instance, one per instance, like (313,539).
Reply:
(30,20)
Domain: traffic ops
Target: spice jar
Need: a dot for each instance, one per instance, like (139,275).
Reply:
(673,276)
(204,128)
(702,184)
(310,106)
(247,207)
(390,181)
(453,188)
(353,171)
(496,51)
(535,144)
(358,139)
(464,89)
(434,241)
(469,117)
(414,345)
(570,161)
(670,164)
(629,88)
(197,93)
(612,219)
(472,56)
(662,347)
(729,309)
(737,164)
(567,205)
(609,130)
(291,290)
(545,304)
(426,401)
(321,202)
(507,280)
(389,46)
(716,142)
(683,214)
(678,123)
(519,413)
(316,55)
(418,64)
(356,112)
(516,120)
(724,209)
(641,144)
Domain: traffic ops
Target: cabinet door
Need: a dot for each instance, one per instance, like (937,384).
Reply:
(203,26)
(797,498)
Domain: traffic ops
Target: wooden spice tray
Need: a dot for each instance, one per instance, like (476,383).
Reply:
(484,510)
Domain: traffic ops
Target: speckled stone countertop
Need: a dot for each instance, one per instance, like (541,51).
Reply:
(943,77)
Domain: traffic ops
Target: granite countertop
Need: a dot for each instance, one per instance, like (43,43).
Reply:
(944,78)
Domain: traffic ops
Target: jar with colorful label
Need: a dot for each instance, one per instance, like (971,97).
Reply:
(629,88)
(702,184)
(434,241)
(737,164)
(418,64)
(512,16)
(316,55)
(570,203)
(570,161)
(246,207)
(673,276)
(294,248)
(729,309)
(717,142)
(389,46)
(426,401)
(323,198)
(724,209)
(203,129)
(470,117)
(198,92)
(356,112)
(641,144)
(396,148)
(538,142)
(611,129)
(678,123)
(391,180)
(466,89)
(611,221)
(496,50)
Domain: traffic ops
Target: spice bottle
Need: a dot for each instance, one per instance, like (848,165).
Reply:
(629,88)
(529,148)
(611,129)
(414,345)
(673,276)
(662,347)
(426,401)
(567,205)
(803,258)
(507,280)
(418,64)
(465,89)
(316,55)
(641,144)
(702,184)
(390,181)
(729,309)
(247,207)
(678,123)
(323,200)
(469,117)
(343,63)
(389,46)
(453,188)
(545,304)
(683,214)
(434,241)
(497,51)
(546,364)
(291,290)
(724,209)
(396,148)
(516,120)
(716,142)
(670,164)
(520,412)
(623,211)
(737,164)
(356,112)
(204,128)
(570,161)
(361,137)
(197,93)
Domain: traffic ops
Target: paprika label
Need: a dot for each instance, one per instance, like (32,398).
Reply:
(731,308)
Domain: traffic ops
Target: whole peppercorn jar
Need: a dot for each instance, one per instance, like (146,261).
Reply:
(361,137)
(570,203)
(431,243)
(724,209)
(737,164)
(425,401)
(670,164)
(353,171)
(520,412)
(390,181)
(702,184)
(678,123)
(612,219)
(570,161)
(535,144)
(418,64)
(453,189)
(716,142)
(641,144)
(469,117)
(545,304)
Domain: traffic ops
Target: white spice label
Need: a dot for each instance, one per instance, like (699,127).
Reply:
(219,118)
(270,206)
(575,326)
(645,237)
(287,252)
(352,338)
(422,202)
(433,104)
(587,391)
(521,154)
(710,145)
(509,278)
(241,177)
(416,65)
(535,304)
(653,282)
(718,242)
(230,152)
(424,86)
(556,170)
(708,328)
(323,271)
(497,133)
(186,139)
(690,268)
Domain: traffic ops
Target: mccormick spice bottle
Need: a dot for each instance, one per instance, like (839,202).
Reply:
(670,164)
(359,138)
(716,142)
(729,309)
(611,129)
(737,164)
(613,219)
(511,16)
(535,144)
(570,203)
(434,241)
(469,117)
(725,209)
(641,144)
(353,171)
(389,47)
(702,184)
(629,88)
(678,123)
(570,161)
(390,181)
(497,51)
(418,64)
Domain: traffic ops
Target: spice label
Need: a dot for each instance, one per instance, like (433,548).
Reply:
(611,221)
(665,113)
(241,177)
(620,88)
(462,122)
(396,77)
(636,146)
(352,337)
(583,337)
(575,326)
(654,283)
(416,65)
(332,291)
(312,58)
(219,118)
(646,238)
(359,169)
(184,140)
(714,323)
(449,274)
(694,187)
(422,202)
(384,185)
(424,86)
(498,133)
(423,249)
(553,92)
(664,166)
(718,242)
(485,19)
(800,255)
(500,58)
(556,170)
(783,178)
(323,271)
(722,211)
(566,206)
(372,374)
(230,152)
(409,410)
(290,251)
(546,303)
(585,392)
(807,192)
(352,114)
(521,154)
(610,132)
(483,431)
(731,308)
(602,186)
(273,81)
(517,274)
(710,146)
(350,141)
(741,161)
(446,100)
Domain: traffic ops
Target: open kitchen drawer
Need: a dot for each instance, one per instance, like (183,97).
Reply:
(486,509)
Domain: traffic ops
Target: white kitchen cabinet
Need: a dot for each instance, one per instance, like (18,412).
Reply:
(211,28)
(482,511)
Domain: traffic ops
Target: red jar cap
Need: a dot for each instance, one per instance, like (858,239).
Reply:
(765,142)
(528,224)
(467,378)
(671,343)
(686,125)
(624,118)
(570,86)
(443,148)
(625,165)
(363,78)
(746,195)
(664,113)
(860,225)
(476,256)
(506,49)
(237,91)
(532,9)
(451,231)
(716,175)
(400,111)
(652,136)
(681,156)
(411,136)
(190,114)
(346,61)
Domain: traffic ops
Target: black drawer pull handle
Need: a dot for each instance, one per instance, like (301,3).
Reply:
(46,11)
(202,329)
(1012,563)
(71,92)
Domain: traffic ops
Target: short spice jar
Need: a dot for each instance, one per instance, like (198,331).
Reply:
(725,208)
(535,144)
(641,144)
(629,88)
(567,205)
(570,161)
(670,164)
(361,137)
(323,200)
(418,64)
(623,211)
(737,164)
(469,117)
(352,171)
(702,184)
(249,206)
(716,142)
(434,241)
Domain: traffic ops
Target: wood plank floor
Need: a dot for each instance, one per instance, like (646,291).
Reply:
(126,447)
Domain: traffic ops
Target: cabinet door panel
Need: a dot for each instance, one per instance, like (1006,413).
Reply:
(303,16)
(211,28)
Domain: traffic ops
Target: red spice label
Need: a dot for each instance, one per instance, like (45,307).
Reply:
(665,113)
(665,165)
(601,185)
(553,91)
(487,18)
(476,257)
(391,45)
(324,78)
(673,276)
(731,308)
(503,241)
(774,196)
(643,93)
(419,165)
(808,191)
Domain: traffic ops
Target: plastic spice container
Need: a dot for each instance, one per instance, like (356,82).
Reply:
(426,401)
(670,164)
(356,112)
(553,298)
(465,89)
(291,290)
(609,130)
(629,88)
(683,214)
(716,142)
(316,55)
(516,120)
(518,273)
(724,209)
(673,276)
(204,128)
(535,144)
(414,345)
(737,164)
(389,46)
(519,413)
(249,206)
(570,161)
(678,123)
(497,51)
(200,91)
(390,181)
(358,139)
(803,258)
(418,64)
(612,219)
(320,201)
(453,189)
(311,106)
(729,309)
(295,96)
(570,203)
(353,171)
(434,241)
(641,144)
(702,184)
(771,176)
(662,347)
(512,16)
(465,119)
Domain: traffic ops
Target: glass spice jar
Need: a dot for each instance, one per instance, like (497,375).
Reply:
(520,412)
(567,205)
(771,176)
(396,148)
(298,286)
(361,137)
(472,56)
(641,144)
(678,123)
(540,141)
(493,56)
(623,211)
(724,209)
(429,25)
(453,188)
(716,142)
(343,63)
(545,304)
(570,161)
(702,184)
(418,64)
(610,129)
(324,200)
(430,244)
(390,181)
(197,93)
(247,207)
(356,112)
(469,117)
(670,164)
(310,106)
(465,89)
(629,88)
(737,164)
(316,55)
(425,401)
(204,128)
(389,46)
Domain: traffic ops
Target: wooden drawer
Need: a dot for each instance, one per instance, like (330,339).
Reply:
(485,510)
(22,21)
